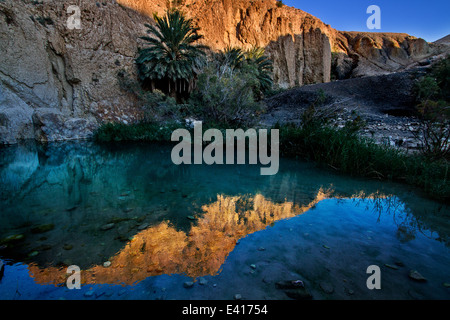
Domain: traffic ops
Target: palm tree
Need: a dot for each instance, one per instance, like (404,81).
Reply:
(263,64)
(237,58)
(172,60)
(232,57)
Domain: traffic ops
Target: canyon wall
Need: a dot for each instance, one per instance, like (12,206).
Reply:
(303,48)
(58,83)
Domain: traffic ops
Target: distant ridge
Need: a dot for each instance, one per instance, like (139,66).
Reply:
(444,40)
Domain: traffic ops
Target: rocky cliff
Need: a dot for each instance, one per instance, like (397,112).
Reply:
(304,49)
(58,83)
(297,42)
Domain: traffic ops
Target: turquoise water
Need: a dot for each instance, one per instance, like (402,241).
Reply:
(140,227)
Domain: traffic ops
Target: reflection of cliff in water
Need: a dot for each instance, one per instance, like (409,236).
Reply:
(79,188)
(201,251)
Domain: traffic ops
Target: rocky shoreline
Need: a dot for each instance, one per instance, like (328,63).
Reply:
(396,132)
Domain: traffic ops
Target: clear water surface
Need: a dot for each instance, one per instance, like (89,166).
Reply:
(140,227)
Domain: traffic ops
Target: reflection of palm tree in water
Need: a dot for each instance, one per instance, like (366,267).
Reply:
(164,250)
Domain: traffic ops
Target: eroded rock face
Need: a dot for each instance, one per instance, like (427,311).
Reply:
(57,83)
(301,59)
(378,53)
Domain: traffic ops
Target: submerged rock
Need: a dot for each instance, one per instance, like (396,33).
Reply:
(43,247)
(399,263)
(390,266)
(415,275)
(298,294)
(107,226)
(349,291)
(188,284)
(143,226)
(12,239)
(291,284)
(33,254)
(43,228)
(294,289)
(89,293)
(327,287)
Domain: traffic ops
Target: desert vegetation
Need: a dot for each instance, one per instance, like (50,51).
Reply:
(433,100)
(173,58)
(344,151)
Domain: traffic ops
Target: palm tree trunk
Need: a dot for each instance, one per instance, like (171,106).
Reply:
(173,91)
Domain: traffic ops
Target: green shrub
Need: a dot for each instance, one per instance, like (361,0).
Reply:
(144,131)
(427,88)
(252,61)
(432,93)
(225,95)
(156,105)
(262,67)
(434,129)
(441,72)
(231,86)
(275,91)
